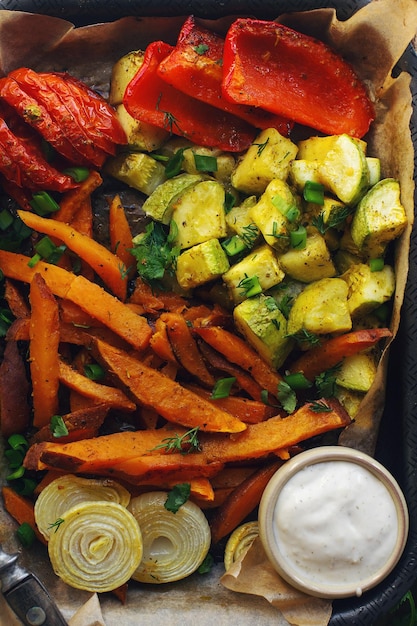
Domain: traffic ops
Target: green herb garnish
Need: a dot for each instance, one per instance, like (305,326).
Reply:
(177,497)
(186,443)
(58,427)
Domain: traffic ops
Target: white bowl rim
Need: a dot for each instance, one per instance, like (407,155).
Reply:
(267,505)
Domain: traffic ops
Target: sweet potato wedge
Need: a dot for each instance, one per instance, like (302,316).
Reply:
(43,351)
(126,451)
(73,199)
(333,351)
(98,454)
(160,343)
(121,235)
(106,264)
(89,296)
(243,380)
(241,502)
(237,351)
(185,347)
(82,424)
(14,391)
(276,433)
(15,299)
(95,391)
(21,509)
(153,389)
(249,411)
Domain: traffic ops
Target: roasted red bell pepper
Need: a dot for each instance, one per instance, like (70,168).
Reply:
(23,165)
(195,67)
(152,100)
(294,75)
(40,88)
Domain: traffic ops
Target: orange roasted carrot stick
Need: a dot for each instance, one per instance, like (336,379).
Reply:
(43,351)
(332,351)
(106,264)
(241,502)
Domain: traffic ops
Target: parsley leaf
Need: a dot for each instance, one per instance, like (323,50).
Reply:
(287,397)
(177,497)
(58,427)
(154,253)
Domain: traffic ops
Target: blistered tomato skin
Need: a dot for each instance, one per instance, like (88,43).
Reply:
(41,89)
(96,115)
(23,166)
(38,117)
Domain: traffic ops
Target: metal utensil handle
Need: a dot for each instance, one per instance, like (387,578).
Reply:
(33,605)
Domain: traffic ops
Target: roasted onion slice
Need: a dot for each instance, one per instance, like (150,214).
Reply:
(239,542)
(68,490)
(174,544)
(96,546)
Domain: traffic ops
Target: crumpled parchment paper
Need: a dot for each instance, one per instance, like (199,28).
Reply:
(372,40)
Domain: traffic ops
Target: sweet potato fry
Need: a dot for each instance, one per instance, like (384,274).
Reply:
(121,235)
(95,455)
(14,392)
(83,219)
(95,391)
(237,351)
(43,351)
(114,314)
(241,502)
(332,351)
(276,433)
(21,509)
(72,200)
(165,467)
(16,266)
(127,451)
(15,299)
(249,411)
(185,347)
(82,424)
(175,403)
(106,264)
(71,313)
(156,300)
(243,380)
(89,296)
(160,343)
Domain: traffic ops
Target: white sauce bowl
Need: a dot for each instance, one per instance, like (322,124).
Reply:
(333,522)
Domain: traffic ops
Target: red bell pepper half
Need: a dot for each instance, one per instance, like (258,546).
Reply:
(152,100)
(294,75)
(195,67)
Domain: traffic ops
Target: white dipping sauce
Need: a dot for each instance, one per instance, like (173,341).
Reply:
(335,523)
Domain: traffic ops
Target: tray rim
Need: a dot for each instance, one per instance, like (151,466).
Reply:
(401,391)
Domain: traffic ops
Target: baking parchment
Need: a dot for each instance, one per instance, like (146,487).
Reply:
(373,40)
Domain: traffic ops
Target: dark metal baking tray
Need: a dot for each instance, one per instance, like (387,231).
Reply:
(397,441)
